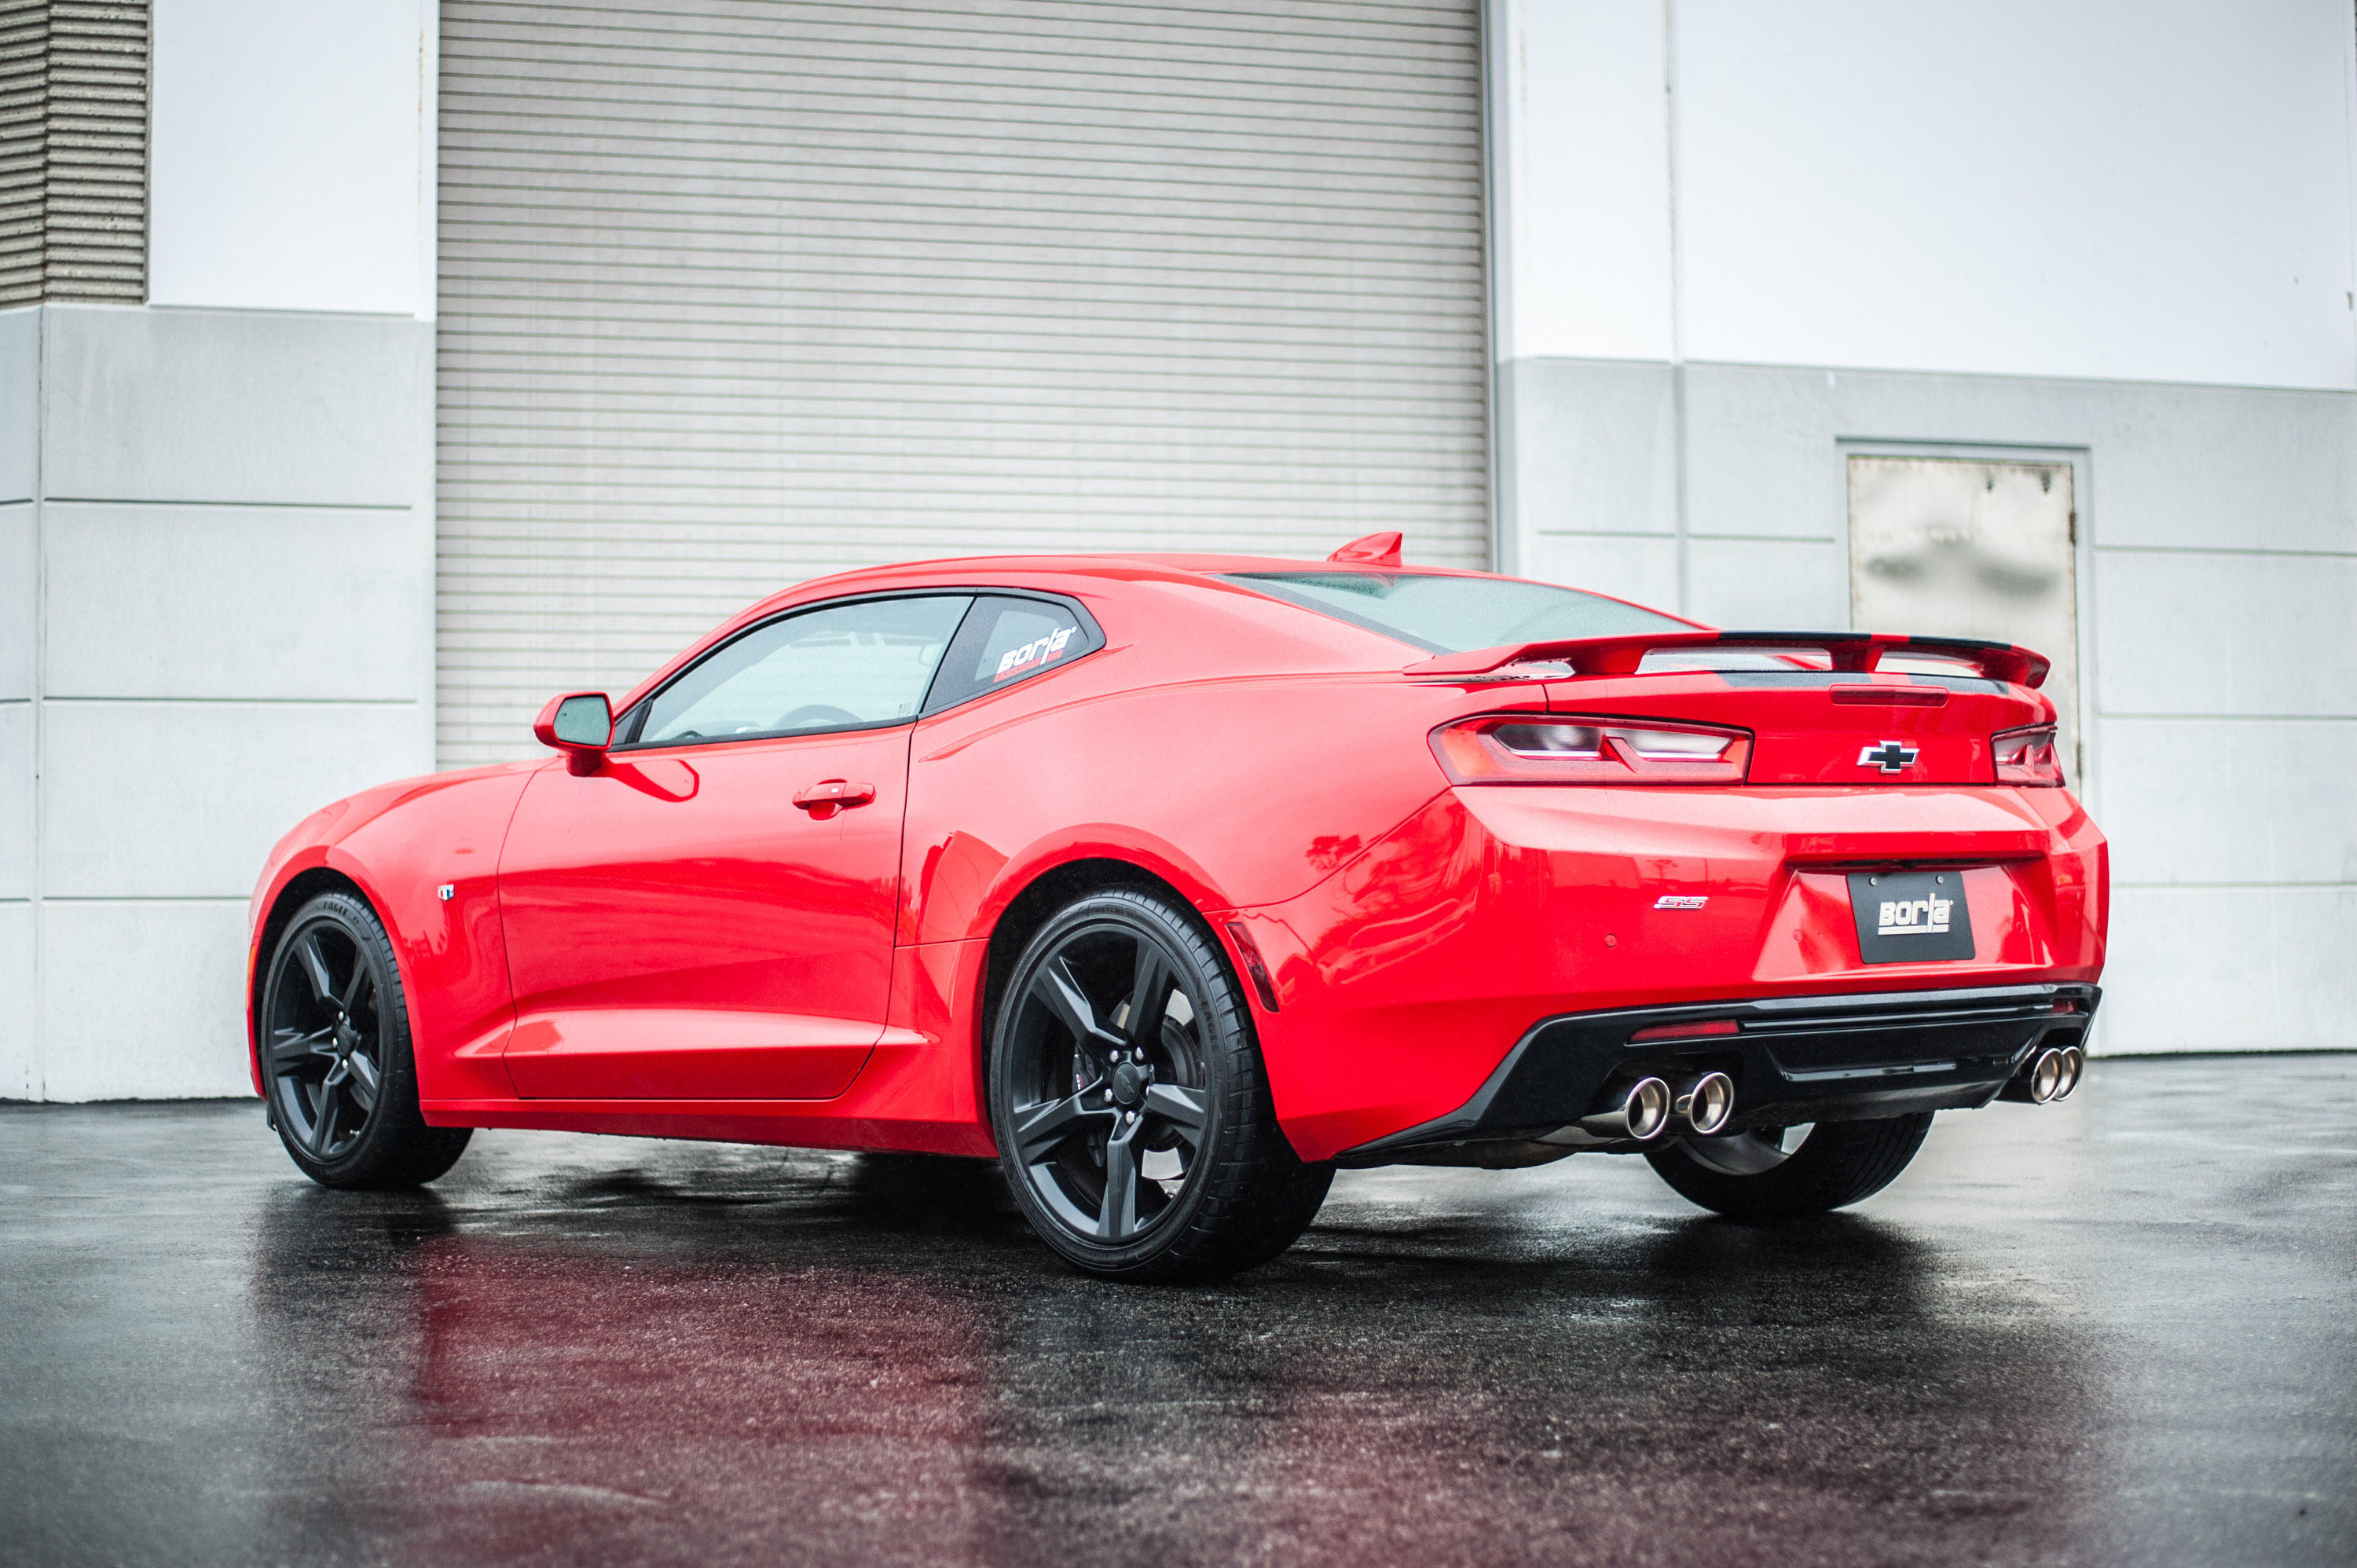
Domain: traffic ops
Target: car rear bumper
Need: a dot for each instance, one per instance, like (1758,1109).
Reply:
(1792,1058)
(1403,979)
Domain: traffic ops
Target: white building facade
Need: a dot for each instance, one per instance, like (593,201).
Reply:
(405,363)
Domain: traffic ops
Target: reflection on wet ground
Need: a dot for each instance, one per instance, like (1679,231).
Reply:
(2113,1331)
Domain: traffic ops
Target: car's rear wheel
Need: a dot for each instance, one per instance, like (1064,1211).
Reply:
(1130,1104)
(335,1060)
(1779,1173)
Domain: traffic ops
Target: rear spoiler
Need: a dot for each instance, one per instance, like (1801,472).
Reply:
(1852,651)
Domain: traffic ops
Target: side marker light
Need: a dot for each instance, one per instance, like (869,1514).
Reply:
(1255,967)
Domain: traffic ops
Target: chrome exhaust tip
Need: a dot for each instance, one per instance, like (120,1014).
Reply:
(2073,1063)
(2047,1077)
(1706,1104)
(1640,1113)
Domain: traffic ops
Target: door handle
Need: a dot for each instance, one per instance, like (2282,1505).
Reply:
(823,800)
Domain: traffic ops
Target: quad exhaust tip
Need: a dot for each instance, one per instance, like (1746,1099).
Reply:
(1651,1107)
(1642,1111)
(1704,1105)
(2055,1073)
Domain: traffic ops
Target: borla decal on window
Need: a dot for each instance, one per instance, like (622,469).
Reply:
(1031,655)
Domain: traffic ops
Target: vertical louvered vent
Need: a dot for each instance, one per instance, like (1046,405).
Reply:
(73,150)
(23,135)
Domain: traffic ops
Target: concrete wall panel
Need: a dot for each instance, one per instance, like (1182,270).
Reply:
(238,602)
(1758,460)
(184,800)
(2213,969)
(2105,190)
(1643,570)
(142,1001)
(15,801)
(220,406)
(234,523)
(2201,633)
(288,142)
(2189,801)
(20,402)
(1587,447)
(1582,186)
(20,592)
(1768,585)
(2189,467)
(20,1073)
(2224,468)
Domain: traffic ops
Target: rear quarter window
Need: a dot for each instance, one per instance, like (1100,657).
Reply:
(1005,640)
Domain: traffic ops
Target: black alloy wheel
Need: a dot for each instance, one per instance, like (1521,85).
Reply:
(337,1068)
(1130,1104)
(1782,1173)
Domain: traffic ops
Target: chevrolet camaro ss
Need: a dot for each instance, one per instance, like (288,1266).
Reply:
(1174,882)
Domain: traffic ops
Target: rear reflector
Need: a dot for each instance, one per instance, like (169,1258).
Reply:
(1893,696)
(2027,756)
(1523,750)
(1255,967)
(1684,1031)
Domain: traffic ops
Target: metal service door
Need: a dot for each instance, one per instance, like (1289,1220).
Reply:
(1964,548)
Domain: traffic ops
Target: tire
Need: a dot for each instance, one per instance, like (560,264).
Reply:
(1138,1135)
(1751,1176)
(337,1073)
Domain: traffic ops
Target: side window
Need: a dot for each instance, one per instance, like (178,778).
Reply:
(837,667)
(1005,640)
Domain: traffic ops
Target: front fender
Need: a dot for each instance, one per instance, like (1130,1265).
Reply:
(294,856)
(399,846)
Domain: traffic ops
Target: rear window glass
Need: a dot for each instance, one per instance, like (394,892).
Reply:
(1454,615)
(1005,641)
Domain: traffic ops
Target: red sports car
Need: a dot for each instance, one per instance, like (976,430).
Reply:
(1177,882)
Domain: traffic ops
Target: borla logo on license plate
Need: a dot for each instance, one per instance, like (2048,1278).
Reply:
(1909,917)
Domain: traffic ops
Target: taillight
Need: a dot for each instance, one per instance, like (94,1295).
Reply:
(1520,750)
(2027,756)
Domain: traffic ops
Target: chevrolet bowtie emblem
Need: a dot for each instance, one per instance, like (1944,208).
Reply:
(1888,756)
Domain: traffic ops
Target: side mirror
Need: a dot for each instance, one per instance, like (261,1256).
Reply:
(581,725)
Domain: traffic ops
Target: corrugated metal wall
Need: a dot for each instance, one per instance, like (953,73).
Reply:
(73,151)
(737,294)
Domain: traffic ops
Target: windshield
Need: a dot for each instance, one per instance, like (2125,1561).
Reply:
(1454,615)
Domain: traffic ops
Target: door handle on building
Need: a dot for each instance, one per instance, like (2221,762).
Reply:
(824,799)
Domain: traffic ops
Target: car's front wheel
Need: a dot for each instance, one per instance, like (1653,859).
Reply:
(1129,1101)
(1780,1173)
(335,1062)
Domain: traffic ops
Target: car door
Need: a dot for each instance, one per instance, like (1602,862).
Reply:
(709,914)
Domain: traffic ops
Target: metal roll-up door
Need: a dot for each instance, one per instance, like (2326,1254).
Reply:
(735,293)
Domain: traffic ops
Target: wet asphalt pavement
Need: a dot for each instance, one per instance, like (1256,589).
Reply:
(2121,1330)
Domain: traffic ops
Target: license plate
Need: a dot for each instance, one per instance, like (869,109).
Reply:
(1911,916)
